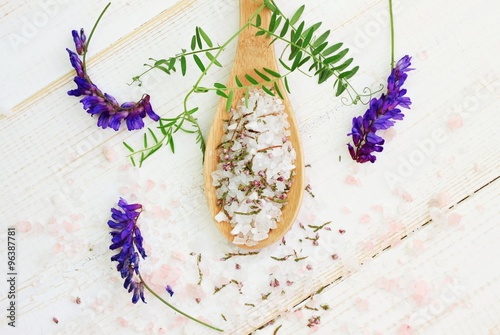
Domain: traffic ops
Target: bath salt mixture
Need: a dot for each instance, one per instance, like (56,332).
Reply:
(255,169)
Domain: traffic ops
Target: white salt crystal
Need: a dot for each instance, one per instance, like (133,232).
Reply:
(255,168)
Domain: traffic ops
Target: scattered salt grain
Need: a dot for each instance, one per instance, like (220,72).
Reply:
(255,169)
(455,122)
(109,153)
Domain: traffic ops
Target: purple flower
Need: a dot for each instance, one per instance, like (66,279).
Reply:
(79,40)
(381,115)
(127,238)
(109,112)
(169,290)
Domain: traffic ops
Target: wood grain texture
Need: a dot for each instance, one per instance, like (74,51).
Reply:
(439,280)
(254,52)
(58,184)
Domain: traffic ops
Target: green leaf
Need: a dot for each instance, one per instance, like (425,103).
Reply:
(219,85)
(272,23)
(278,22)
(160,62)
(334,59)
(162,127)
(229,100)
(293,52)
(319,49)
(303,61)
(258,20)
(340,88)
(164,69)
(272,73)
(269,4)
(132,161)
(221,93)
(142,159)
(277,89)
(296,34)
(213,59)
(349,74)
(246,97)
(308,37)
(285,28)
(192,111)
(183,65)
(314,66)
(153,135)
(128,147)
(295,18)
(171,63)
(200,90)
(260,33)
(332,49)
(193,43)
(238,82)
(284,64)
(199,62)
(198,38)
(152,151)
(251,79)
(344,65)
(321,39)
(297,60)
(286,85)
(171,143)
(268,91)
(263,76)
(206,38)
(324,74)
(145,140)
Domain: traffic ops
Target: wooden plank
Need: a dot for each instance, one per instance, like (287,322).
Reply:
(440,280)
(33,36)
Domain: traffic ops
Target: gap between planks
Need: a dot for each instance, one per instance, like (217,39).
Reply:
(378,253)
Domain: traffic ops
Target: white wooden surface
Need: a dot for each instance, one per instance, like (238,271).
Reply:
(427,210)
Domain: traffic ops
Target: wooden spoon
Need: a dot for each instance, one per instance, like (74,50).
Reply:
(253,52)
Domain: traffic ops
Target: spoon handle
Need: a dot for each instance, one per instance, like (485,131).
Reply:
(253,52)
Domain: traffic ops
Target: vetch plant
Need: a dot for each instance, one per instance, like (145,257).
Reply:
(127,240)
(383,112)
(111,114)
(307,50)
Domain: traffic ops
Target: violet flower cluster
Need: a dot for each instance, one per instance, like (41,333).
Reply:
(127,238)
(95,102)
(381,115)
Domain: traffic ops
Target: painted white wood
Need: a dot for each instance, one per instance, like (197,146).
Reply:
(440,280)
(61,174)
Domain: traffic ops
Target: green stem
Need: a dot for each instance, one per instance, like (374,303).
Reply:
(177,310)
(90,37)
(392,34)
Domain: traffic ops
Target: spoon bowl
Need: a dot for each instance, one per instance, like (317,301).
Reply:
(253,52)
